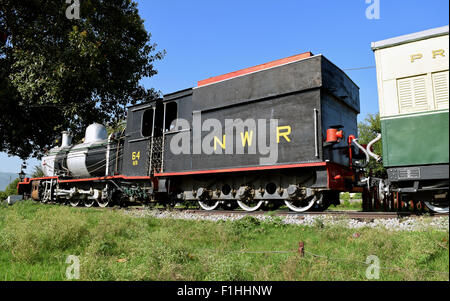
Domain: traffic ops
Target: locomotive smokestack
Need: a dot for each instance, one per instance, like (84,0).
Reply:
(66,139)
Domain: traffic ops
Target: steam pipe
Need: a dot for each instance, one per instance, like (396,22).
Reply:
(363,150)
(375,156)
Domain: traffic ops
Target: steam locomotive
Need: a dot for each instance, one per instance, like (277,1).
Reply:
(280,133)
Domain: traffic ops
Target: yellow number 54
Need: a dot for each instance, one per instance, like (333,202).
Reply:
(135,156)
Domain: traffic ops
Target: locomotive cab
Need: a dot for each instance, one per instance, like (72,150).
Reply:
(147,125)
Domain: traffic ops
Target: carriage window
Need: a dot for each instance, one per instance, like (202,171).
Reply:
(171,116)
(147,123)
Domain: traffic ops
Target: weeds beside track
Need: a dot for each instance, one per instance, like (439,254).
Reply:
(36,239)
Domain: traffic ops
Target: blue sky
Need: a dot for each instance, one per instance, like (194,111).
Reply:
(207,38)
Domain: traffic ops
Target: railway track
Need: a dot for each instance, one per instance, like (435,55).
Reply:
(349,214)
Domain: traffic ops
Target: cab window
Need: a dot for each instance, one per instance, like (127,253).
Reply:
(171,116)
(147,123)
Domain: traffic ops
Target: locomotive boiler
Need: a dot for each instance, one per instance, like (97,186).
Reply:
(82,160)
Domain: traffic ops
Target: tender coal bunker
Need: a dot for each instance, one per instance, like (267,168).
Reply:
(171,115)
(147,123)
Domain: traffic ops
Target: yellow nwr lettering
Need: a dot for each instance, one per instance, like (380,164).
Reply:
(245,138)
(416,57)
(285,134)
(438,52)
(216,140)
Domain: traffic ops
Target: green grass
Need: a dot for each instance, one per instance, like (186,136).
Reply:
(35,241)
(346,205)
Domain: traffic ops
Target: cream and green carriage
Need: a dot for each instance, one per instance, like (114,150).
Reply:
(413,91)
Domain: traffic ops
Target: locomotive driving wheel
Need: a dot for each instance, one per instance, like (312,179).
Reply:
(89,202)
(103,202)
(301,205)
(110,197)
(74,202)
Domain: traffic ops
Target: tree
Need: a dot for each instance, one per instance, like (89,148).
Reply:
(11,189)
(367,131)
(37,172)
(58,73)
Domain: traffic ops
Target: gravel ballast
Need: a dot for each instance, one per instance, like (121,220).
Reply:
(392,224)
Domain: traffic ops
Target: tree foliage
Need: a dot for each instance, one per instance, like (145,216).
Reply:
(367,131)
(11,189)
(58,74)
(37,172)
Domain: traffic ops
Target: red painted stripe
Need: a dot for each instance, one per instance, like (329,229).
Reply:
(254,69)
(28,180)
(88,179)
(197,172)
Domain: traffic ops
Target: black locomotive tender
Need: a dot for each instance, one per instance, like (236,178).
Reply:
(312,99)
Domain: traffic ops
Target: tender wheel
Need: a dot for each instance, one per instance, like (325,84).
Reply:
(301,205)
(89,203)
(251,205)
(437,207)
(208,204)
(74,202)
